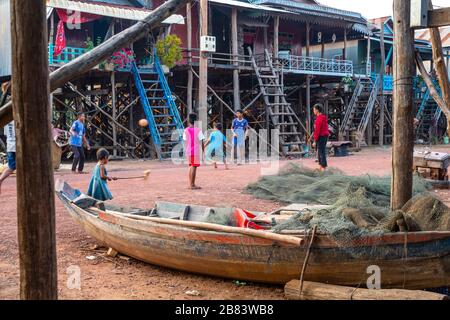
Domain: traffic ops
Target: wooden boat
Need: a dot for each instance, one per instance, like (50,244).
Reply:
(161,237)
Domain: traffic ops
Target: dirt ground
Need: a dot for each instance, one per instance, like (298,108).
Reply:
(103,277)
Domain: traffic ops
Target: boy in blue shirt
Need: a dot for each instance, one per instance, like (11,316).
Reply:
(240,129)
(77,139)
(215,146)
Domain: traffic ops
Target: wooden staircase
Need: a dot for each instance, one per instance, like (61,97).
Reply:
(165,124)
(279,112)
(428,115)
(360,109)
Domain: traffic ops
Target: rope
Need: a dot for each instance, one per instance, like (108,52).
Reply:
(305,262)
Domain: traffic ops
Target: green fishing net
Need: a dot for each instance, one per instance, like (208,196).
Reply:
(358,206)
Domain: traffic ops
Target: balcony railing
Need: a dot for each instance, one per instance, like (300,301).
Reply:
(68,54)
(314,65)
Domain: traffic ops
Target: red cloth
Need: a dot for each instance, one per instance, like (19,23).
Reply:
(321,127)
(60,41)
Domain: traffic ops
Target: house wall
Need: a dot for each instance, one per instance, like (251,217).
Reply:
(336,49)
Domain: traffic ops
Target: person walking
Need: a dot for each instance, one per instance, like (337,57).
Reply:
(77,139)
(10,151)
(321,135)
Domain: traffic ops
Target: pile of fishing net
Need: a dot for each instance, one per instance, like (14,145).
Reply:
(358,206)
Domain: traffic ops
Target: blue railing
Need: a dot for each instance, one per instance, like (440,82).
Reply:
(147,108)
(314,65)
(388,82)
(68,54)
(167,92)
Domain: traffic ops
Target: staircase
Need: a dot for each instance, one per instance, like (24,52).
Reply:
(278,111)
(428,115)
(360,108)
(159,107)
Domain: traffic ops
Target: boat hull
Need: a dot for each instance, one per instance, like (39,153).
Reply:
(414,260)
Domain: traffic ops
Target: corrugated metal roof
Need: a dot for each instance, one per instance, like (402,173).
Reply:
(246,5)
(445,36)
(108,10)
(313,8)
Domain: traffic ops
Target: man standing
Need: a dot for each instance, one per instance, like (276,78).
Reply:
(321,135)
(10,150)
(239,128)
(77,139)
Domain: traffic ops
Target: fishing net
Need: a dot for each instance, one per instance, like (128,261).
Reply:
(358,207)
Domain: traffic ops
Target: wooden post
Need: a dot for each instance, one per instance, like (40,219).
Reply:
(266,41)
(189,48)
(234,45)
(35,190)
(322,48)
(308,103)
(203,69)
(382,100)
(403,135)
(276,30)
(114,99)
(114,111)
(368,60)
(308,34)
(52,28)
(308,82)
(344,51)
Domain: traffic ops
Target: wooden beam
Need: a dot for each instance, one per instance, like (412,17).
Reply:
(439,17)
(35,190)
(403,135)
(322,291)
(203,69)
(235,50)
(189,48)
(92,58)
(441,69)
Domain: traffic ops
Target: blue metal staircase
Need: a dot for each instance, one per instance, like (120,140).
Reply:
(428,115)
(162,114)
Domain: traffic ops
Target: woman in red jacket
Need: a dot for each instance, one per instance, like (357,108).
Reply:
(321,135)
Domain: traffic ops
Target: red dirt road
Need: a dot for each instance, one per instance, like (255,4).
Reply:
(126,278)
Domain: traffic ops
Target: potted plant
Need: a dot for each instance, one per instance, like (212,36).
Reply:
(169,51)
(347,81)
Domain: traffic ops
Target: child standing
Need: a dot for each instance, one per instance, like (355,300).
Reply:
(98,187)
(194,138)
(215,145)
(239,128)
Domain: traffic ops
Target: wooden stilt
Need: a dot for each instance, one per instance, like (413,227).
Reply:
(403,136)
(382,99)
(189,47)
(35,190)
(234,45)
(203,69)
